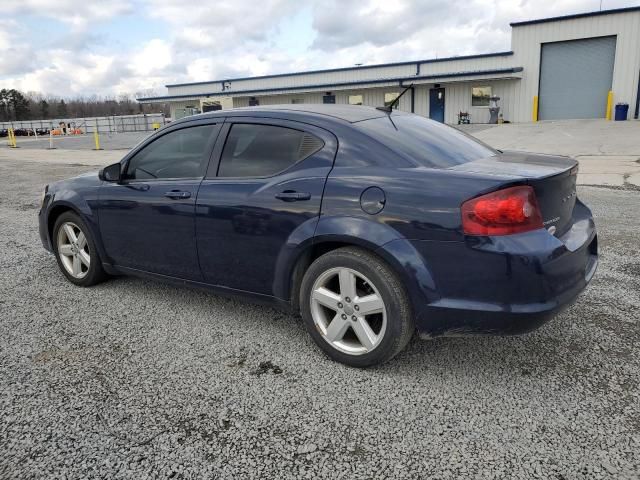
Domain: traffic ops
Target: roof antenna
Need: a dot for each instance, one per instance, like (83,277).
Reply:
(389,108)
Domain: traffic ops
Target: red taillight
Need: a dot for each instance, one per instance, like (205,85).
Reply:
(512,210)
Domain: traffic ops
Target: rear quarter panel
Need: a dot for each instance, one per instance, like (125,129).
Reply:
(420,204)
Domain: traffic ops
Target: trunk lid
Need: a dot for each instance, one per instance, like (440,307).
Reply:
(552,177)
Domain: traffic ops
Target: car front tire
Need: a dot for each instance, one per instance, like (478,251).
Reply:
(75,251)
(355,307)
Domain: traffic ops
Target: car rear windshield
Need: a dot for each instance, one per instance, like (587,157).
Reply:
(425,142)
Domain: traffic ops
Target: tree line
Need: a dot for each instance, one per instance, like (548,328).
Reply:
(16,105)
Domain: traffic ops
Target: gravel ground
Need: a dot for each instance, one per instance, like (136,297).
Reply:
(136,379)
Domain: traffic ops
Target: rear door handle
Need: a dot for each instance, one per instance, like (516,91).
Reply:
(175,194)
(289,196)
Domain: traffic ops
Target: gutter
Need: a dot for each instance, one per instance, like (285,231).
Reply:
(398,80)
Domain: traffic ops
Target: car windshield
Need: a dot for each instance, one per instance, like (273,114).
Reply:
(425,142)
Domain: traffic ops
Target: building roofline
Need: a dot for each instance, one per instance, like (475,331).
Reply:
(346,69)
(400,80)
(576,15)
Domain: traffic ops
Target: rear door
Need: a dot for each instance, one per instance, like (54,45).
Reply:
(266,185)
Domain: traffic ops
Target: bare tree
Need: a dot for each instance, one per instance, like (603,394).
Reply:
(15,105)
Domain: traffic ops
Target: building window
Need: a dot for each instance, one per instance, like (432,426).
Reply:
(297,100)
(328,98)
(253,102)
(211,106)
(389,98)
(355,100)
(480,96)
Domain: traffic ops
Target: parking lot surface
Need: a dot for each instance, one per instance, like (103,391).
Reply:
(108,141)
(137,379)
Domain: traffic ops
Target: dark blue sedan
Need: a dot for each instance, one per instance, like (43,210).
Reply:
(372,224)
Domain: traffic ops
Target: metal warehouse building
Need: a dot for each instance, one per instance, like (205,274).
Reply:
(575,66)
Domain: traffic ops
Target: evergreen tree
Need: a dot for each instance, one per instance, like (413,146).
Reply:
(4,105)
(62,109)
(44,109)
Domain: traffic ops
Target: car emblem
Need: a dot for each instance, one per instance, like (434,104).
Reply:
(551,229)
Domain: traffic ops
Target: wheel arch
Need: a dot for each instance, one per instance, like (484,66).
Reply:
(86,215)
(376,238)
(54,213)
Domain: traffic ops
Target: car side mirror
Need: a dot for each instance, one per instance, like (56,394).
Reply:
(112,173)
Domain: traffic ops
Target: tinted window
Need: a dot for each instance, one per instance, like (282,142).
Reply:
(425,142)
(178,154)
(263,150)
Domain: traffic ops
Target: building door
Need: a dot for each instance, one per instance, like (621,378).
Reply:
(575,78)
(436,104)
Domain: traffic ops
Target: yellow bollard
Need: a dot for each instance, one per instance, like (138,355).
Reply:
(12,139)
(609,105)
(534,116)
(51,147)
(96,137)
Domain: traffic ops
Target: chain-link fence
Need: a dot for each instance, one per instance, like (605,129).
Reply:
(79,126)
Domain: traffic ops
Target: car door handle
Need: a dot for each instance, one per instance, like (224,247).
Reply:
(176,194)
(290,196)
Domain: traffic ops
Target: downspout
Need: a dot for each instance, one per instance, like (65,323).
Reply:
(413,91)
(637,100)
(413,102)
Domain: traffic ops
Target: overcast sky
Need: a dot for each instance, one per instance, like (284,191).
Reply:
(107,47)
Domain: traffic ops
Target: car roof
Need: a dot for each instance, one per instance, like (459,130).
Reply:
(347,113)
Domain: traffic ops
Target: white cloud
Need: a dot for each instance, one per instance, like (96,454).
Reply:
(76,13)
(154,57)
(223,39)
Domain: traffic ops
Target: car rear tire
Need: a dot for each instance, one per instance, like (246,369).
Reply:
(355,307)
(75,251)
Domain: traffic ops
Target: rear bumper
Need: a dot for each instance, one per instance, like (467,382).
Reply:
(453,317)
(506,285)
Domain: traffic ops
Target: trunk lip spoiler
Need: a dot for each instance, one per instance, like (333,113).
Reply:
(570,166)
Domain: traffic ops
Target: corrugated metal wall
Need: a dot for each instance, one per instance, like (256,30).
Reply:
(173,106)
(467,65)
(372,96)
(320,78)
(526,43)
(457,99)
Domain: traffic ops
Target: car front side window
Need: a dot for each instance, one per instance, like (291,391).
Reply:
(177,154)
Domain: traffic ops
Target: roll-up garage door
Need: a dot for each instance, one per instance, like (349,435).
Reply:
(575,78)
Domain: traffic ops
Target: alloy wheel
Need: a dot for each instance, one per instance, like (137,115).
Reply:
(73,250)
(348,311)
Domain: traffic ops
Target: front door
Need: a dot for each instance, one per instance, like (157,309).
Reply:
(147,220)
(436,104)
(266,186)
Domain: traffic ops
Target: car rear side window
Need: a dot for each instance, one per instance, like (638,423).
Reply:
(177,154)
(254,150)
(425,142)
